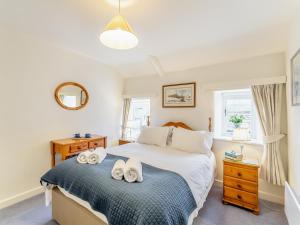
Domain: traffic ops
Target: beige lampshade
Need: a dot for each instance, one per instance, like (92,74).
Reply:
(241,134)
(118,34)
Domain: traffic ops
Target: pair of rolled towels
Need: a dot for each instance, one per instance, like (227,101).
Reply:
(92,157)
(132,170)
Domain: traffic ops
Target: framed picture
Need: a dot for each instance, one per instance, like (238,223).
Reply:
(295,71)
(179,95)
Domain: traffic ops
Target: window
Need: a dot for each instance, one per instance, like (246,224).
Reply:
(138,116)
(235,102)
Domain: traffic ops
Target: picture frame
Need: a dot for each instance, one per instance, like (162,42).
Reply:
(295,79)
(181,95)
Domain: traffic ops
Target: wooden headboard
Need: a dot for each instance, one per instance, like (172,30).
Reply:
(177,124)
(183,125)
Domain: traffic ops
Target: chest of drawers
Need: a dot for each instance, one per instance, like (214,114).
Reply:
(240,184)
(71,146)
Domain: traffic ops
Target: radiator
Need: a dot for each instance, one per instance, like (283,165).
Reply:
(292,206)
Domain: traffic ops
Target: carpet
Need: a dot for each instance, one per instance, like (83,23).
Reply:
(33,212)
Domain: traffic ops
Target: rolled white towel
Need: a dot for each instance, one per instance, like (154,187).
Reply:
(117,171)
(83,157)
(133,171)
(97,156)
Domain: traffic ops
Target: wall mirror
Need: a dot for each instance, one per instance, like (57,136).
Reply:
(71,96)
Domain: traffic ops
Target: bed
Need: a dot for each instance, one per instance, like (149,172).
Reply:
(198,170)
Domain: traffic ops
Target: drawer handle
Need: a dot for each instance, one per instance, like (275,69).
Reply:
(239,197)
(239,186)
(95,143)
(239,174)
(78,147)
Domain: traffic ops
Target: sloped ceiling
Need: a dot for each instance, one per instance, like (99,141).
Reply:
(179,34)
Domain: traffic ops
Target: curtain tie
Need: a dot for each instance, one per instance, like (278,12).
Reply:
(272,138)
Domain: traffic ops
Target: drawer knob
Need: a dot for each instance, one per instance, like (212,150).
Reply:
(239,186)
(239,197)
(239,174)
(78,147)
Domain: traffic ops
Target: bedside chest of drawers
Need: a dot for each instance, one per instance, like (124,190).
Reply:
(72,146)
(240,184)
(124,142)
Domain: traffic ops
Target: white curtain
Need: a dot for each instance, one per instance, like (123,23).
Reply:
(126,108)
(268,101)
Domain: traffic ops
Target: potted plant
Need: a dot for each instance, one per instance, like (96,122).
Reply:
(237,120)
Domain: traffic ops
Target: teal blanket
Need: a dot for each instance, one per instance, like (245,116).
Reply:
(163,198)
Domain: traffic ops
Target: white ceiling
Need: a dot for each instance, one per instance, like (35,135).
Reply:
(180,34)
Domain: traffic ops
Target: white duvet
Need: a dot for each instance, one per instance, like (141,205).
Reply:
(197,169)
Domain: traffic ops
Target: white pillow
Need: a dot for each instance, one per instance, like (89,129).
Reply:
(209,138)
(154,136)
(192,141)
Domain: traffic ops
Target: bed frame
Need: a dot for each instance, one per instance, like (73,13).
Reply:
(68,212)
(183,125)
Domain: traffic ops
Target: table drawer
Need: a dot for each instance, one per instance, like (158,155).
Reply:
(78,147)
(241,196)
(241,173)
(240,184)
(96,143)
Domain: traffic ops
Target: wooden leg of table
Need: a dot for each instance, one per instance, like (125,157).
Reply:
(105,142)
(63,156)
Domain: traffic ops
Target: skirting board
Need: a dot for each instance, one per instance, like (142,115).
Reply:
(262,194)
(291,206)
(20,197)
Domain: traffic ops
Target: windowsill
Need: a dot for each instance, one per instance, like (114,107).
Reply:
(228,139)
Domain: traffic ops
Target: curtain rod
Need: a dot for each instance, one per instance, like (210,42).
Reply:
(245,83)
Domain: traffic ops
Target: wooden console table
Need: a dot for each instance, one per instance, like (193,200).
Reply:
(72,146)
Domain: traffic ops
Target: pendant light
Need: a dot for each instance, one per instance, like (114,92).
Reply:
(118,34)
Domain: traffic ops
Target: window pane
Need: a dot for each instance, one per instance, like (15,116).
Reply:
(138,113)
(238,103)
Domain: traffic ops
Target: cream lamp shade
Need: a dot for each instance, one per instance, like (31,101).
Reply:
(118,34)
(241,134)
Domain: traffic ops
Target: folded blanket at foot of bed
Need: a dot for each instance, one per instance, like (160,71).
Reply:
(163,197)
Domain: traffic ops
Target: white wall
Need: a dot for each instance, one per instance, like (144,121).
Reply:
(29,115)
(293,113)
(239,74)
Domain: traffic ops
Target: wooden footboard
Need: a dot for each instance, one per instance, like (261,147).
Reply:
(68,212)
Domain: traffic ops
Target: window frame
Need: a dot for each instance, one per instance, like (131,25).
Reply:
(224,95)
(129,130)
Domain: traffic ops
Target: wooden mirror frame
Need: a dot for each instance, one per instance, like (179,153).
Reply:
(68,84)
